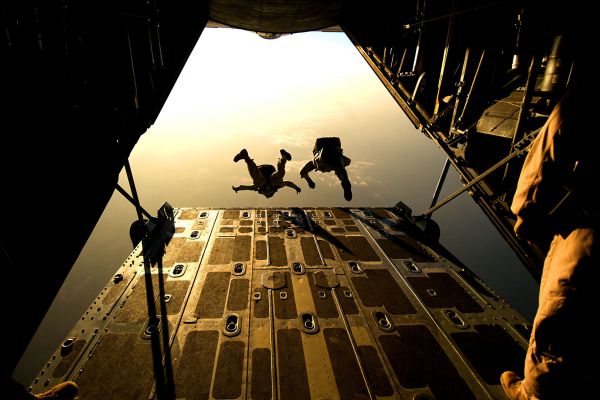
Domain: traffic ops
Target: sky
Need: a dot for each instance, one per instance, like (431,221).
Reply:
(237,91)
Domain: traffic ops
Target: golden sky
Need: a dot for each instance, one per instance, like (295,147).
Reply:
(238,90)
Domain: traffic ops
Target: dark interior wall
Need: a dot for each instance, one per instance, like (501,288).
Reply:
(80,82)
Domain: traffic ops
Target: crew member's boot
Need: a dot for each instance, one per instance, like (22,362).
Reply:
(513,386)
(63,391)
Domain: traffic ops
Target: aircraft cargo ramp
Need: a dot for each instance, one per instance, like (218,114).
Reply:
(312,303)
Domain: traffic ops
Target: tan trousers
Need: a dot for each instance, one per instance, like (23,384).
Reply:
(562,350)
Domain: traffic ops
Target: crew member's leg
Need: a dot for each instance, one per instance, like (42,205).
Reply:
(561,348)
(555,352)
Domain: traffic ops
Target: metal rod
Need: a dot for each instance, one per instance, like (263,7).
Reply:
(402,61)
(414,95)
(469,95)
(132,201)
(440,183)
(444,59)
(136,101)
(421,17)
(461,82)
(136,203)
(478,179)
(531,80)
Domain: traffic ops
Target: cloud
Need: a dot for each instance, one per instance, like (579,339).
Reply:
(300,138)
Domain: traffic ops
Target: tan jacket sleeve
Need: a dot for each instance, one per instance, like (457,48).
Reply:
(545,173)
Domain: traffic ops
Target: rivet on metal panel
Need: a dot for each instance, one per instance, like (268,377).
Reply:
(355,267)
(298,268)
(195,235)
(232,324)
(245,214)
(178,270)
(151,327)
(322,294)
(290,233)
(239,269)
(309,322)
(203,214)
(256,296)
(168,297)
(411,266)
(327,214)
(384,322)
(432,292)
(118,278)
(283,295)
(348,294)
(455,319)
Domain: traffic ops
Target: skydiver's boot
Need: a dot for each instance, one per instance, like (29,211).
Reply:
(513,386)
(242,154)
(347,186)
(285,154)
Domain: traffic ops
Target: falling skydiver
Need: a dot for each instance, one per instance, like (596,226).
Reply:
(328,156)
(266,180)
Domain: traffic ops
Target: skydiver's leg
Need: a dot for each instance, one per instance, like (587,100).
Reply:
(280,173)
(253,170)
(345,160)
(310,166)
(346,185)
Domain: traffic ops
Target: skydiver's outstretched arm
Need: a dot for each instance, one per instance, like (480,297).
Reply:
(292,185)
(310,166)
(244,187)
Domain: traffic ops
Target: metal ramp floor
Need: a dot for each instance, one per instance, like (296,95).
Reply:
(324,303)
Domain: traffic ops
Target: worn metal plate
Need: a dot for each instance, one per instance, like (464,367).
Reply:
(320,304)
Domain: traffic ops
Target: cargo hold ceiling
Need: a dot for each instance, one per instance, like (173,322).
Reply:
(276,16)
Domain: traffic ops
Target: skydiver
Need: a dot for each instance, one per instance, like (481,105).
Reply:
(266,180)
(328,156)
